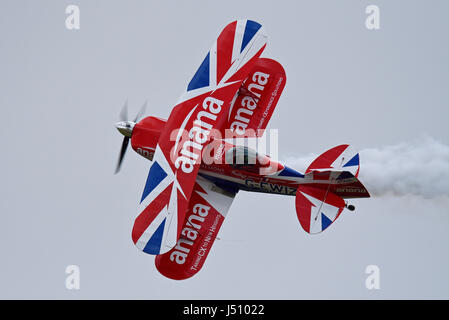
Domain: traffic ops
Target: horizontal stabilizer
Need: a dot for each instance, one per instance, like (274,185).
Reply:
(317,208)
(343,183)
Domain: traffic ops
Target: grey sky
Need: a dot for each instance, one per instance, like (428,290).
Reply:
(62,91)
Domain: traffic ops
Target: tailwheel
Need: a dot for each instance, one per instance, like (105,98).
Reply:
(350,207)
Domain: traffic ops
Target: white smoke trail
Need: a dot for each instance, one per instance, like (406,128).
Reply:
(420,167)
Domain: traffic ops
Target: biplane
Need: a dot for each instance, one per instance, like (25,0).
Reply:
(196,171)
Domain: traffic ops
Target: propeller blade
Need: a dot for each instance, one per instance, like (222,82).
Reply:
(122,153)
(129,125)
(124,112)
(141,111)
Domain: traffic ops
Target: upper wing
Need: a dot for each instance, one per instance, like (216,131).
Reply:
(201,109)
(207,209)
(256,100)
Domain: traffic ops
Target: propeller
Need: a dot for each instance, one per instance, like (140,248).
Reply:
(124,112)
(126,127)
(142,110)
(122,154)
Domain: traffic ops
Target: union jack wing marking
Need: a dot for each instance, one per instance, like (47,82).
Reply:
(151,232)
(239,42)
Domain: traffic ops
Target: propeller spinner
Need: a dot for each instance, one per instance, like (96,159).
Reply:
(126,127)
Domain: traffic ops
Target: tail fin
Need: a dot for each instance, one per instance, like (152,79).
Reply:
(339,158)
(330,179)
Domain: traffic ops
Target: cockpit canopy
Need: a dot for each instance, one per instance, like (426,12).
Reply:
(244,158)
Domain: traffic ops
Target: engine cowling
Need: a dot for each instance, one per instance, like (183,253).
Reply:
(145,136)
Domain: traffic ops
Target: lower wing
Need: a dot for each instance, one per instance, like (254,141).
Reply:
(207,209)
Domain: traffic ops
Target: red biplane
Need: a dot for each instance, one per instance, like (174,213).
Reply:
(196,171)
